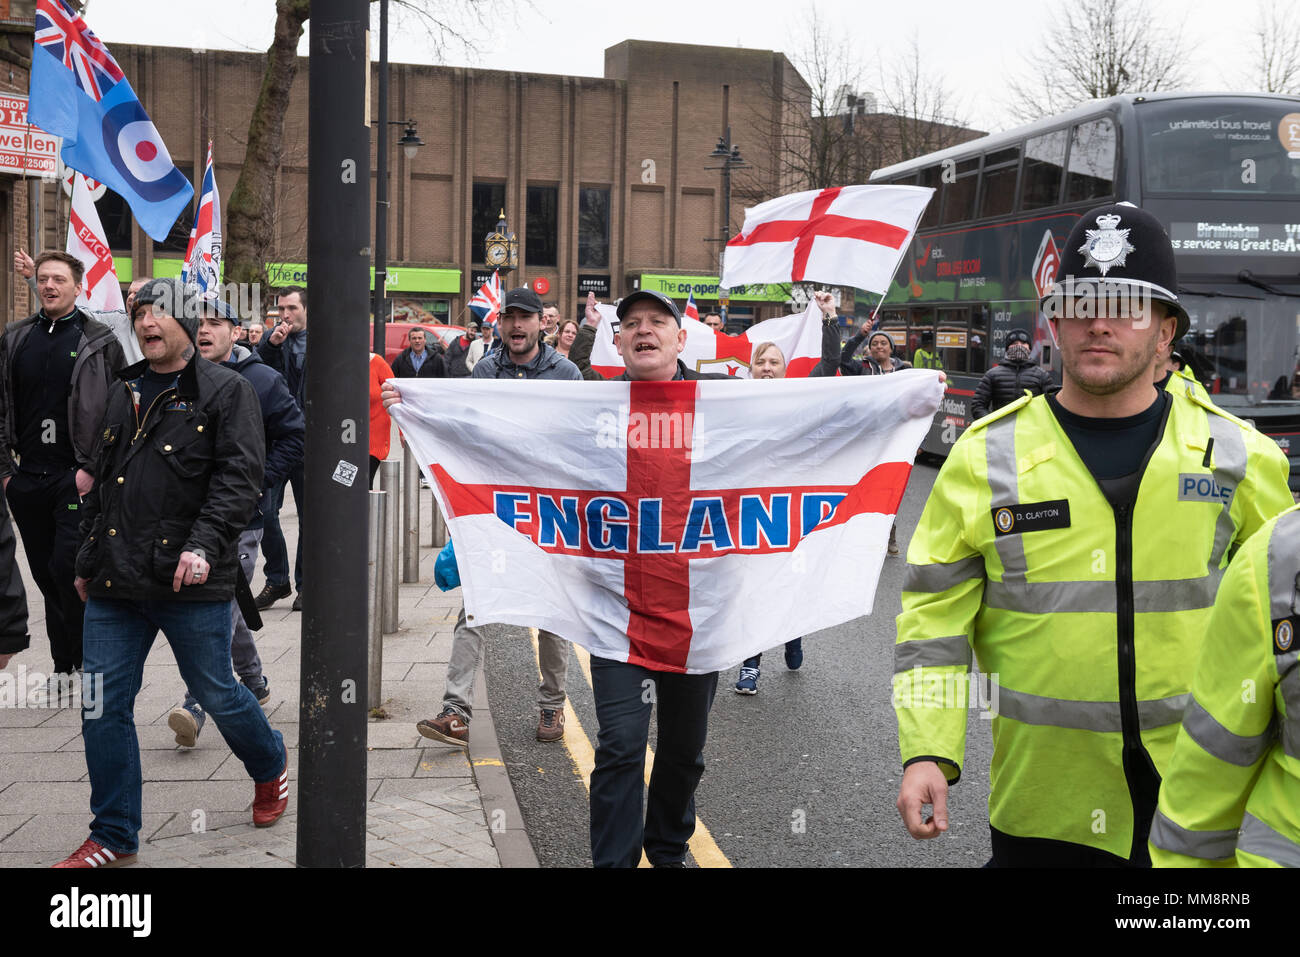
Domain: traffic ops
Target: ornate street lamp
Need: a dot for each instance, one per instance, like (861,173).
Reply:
(729,153)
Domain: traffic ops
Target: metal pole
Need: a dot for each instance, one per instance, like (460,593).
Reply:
(375,554)
(381,189)
(726,218)
(439,526)
(410,516)
(390,480)
(332,708)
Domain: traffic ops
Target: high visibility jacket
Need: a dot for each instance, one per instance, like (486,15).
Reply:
(924,359)
(1183,382)
(1236,764)
(1087,618)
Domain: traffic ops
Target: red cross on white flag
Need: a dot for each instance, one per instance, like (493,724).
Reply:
(799,337)
(100,290)
(848,235)
(683,526)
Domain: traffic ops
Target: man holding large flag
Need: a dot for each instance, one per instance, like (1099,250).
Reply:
(80,93)
(639,518)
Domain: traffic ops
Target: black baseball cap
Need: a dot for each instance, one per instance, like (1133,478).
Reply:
(522,298)
(626,302)
(221,308)
(1121,245)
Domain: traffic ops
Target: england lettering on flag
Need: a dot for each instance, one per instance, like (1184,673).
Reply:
(100,290)
(847,235)
(683,526)
(80,93)
(203,254)
(799,337)
(487,301)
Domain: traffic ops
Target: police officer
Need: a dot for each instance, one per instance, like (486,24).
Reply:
(1230,790)
(1074,543)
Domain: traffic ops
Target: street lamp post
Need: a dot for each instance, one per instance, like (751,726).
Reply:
(410,144)
(729,153)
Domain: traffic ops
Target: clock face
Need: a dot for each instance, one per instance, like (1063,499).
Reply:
(496,254)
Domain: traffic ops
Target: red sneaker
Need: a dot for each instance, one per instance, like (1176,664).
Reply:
(94,854)
(270,798)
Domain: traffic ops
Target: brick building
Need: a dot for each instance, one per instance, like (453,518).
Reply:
(603,179)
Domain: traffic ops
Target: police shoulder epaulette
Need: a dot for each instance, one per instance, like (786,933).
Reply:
(1209,406)
(1008,409)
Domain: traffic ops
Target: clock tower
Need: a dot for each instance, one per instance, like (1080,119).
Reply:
(501,247)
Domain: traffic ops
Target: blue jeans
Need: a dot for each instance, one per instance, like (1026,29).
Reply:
(274,549)
(116,641)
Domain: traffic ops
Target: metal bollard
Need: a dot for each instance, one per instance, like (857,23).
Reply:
(410,516)
(390,480)
(375,545)
(439,526)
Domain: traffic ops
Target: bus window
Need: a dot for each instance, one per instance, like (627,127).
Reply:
(959,196)
(1092,162)
(951,340)
(1044,164)
(932,177)
(999,194)
(920,340)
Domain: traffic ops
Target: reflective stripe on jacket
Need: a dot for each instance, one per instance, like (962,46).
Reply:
(1229,794)
(1087,618)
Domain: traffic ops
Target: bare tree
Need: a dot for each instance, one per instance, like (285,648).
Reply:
(1276,69)
(920,113)
(1099,48)
(251,214)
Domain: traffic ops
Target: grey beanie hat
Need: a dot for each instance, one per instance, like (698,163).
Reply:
(881,332)
(178,300)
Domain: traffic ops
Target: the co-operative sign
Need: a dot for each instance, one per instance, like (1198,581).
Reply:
(706,287)
(24,149)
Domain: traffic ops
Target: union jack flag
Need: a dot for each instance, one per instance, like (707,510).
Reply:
(692,311)
(62,32)
(487,301)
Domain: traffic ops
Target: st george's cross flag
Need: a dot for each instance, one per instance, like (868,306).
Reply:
(80,93)
(100,290)
(682,526)
(847,235)
(799,338)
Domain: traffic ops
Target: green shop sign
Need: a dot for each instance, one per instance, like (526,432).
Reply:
(706,287)
(400,278)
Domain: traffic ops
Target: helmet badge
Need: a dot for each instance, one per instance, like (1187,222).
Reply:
(1107,246)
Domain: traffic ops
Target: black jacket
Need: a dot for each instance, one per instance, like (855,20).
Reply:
(1006,382)
(432,368)
(283,425)
(457,352)
(13,598)
(99,357)
(283,362)
(183,476)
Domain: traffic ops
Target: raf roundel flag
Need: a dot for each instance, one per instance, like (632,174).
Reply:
(79,92)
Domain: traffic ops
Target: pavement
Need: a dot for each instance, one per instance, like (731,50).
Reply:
(429,804)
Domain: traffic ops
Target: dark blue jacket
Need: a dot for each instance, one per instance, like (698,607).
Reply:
(282,420)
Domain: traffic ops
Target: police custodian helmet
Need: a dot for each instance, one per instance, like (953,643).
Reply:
(1120,246)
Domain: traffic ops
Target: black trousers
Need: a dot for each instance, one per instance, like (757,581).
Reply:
(46,509)
(624,695)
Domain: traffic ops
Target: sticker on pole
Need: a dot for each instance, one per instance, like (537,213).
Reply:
(345,473)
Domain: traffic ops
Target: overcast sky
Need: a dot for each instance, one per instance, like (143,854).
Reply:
(973,45)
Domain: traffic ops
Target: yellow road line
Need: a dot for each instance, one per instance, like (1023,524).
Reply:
(703,848)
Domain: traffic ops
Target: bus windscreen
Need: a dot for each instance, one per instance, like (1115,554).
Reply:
(1220,146)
